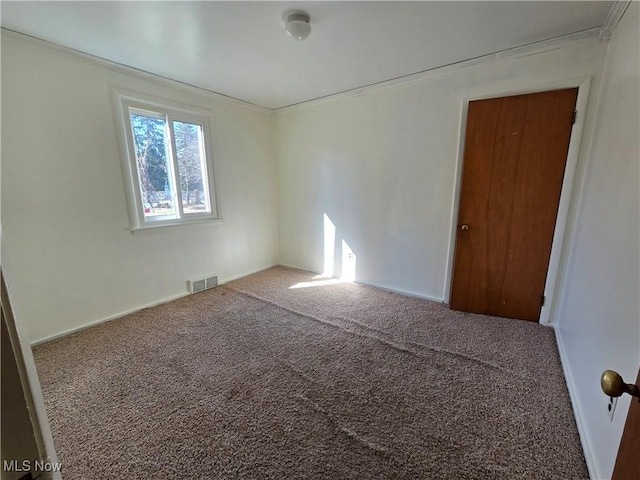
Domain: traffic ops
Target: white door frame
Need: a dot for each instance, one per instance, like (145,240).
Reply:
(557,261)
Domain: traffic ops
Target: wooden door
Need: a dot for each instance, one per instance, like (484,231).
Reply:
(628,461)
(514,161)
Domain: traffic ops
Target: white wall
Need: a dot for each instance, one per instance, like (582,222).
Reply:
(67,253)
(383,167)
(599,316)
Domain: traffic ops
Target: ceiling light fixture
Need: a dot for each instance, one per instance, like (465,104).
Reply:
(297,25)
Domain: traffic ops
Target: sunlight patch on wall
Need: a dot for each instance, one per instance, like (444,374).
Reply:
(346,255)
(329,246)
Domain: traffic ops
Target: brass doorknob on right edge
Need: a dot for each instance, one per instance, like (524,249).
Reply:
(464,227)
(613,385)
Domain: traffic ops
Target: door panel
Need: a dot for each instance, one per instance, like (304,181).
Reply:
(515,155)
(628,461)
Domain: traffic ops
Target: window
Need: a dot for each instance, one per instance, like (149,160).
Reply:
(168,163)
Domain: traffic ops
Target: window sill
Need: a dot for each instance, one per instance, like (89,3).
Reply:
(202,222)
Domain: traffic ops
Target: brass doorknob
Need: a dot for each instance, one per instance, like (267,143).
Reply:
(613,385)
(464,227)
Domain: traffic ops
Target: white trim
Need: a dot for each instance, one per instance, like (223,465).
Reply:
(288,265)
(143,100)
(94,323)
(136,72)
(455,204)
(557,259)
(585,36)
(193,222)
(613,17)
(123,101)
(402,292)
(512,53)
(246,274)
(127,167)
(577,411)
(375,285)
(137,309)
(18,336)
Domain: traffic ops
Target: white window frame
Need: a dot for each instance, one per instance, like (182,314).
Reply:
(170,111)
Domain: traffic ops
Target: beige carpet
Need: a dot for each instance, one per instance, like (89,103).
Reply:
(258,380)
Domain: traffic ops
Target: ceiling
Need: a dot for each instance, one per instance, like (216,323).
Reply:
(239,49)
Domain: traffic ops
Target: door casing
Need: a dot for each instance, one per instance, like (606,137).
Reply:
(627,462)
(569,196)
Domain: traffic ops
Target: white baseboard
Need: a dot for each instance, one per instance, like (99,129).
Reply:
(133,310)
(403,292)
(104,320)
(381,287)
(245,274)
(577,412)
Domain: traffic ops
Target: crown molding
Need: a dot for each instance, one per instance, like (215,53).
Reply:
(135,72)
(585,36)
(613,17)
(618,8)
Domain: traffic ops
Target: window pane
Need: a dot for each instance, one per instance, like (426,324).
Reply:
(191,167)
(154,169)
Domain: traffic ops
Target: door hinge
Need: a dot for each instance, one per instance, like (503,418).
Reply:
(542,300)
(573,117)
